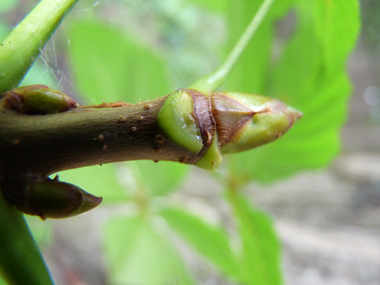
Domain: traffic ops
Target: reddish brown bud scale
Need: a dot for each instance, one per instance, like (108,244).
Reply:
(230,116)
(246,121)
(204,117)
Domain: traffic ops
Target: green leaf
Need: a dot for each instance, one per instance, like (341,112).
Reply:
(139,254)
(7,5)
(20,49)
(4,30)
(157,179)
(259,259)
(108,66)
(215,79)
(211,5)
(337,26)
(120,182)
(310,76)
(210,241)
(250,73)
(41,230)
(99,181)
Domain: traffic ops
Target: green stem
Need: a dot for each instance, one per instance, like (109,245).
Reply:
(23,45)
(20,259)
(216,78)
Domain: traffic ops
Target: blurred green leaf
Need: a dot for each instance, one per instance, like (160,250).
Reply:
(4,30)
(158,179)
(210,241)
(41,230)
(259,260)
(108,66)
(337,25)
(39,74)
(310,76)
(250,73)
(97,180)
(7,5)
(211,5)
(139,254)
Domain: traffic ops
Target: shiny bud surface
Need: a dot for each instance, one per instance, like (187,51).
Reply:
(37,100)
(245,121)
(177,120)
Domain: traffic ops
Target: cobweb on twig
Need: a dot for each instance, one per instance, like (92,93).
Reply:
(55,63)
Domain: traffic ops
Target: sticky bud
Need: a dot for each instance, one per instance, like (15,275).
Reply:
(37,100)
(245,121)
(55,199)
(211,125)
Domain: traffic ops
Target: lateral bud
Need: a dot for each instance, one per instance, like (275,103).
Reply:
(37,100)
(55,199)
(49,198)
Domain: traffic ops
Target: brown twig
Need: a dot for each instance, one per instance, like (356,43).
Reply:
(44,144)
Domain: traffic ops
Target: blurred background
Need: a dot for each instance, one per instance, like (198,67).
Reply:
(327,220)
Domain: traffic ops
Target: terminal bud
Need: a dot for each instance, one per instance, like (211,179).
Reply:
(245,121)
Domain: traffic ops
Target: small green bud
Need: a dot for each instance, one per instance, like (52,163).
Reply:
(37,99)
(245,121)
(177,120)
(55,199)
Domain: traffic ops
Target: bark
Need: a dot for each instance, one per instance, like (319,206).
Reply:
(40,145)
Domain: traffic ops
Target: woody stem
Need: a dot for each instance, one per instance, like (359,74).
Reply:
(44,144)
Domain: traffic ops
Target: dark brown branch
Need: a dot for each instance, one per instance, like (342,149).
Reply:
(44,144)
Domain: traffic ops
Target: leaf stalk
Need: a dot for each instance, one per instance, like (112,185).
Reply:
(215,79)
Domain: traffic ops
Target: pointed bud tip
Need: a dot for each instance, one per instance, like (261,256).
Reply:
(51,198)
(277,106)
(293,114)
(89,202)
(268,120)
(71,103)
